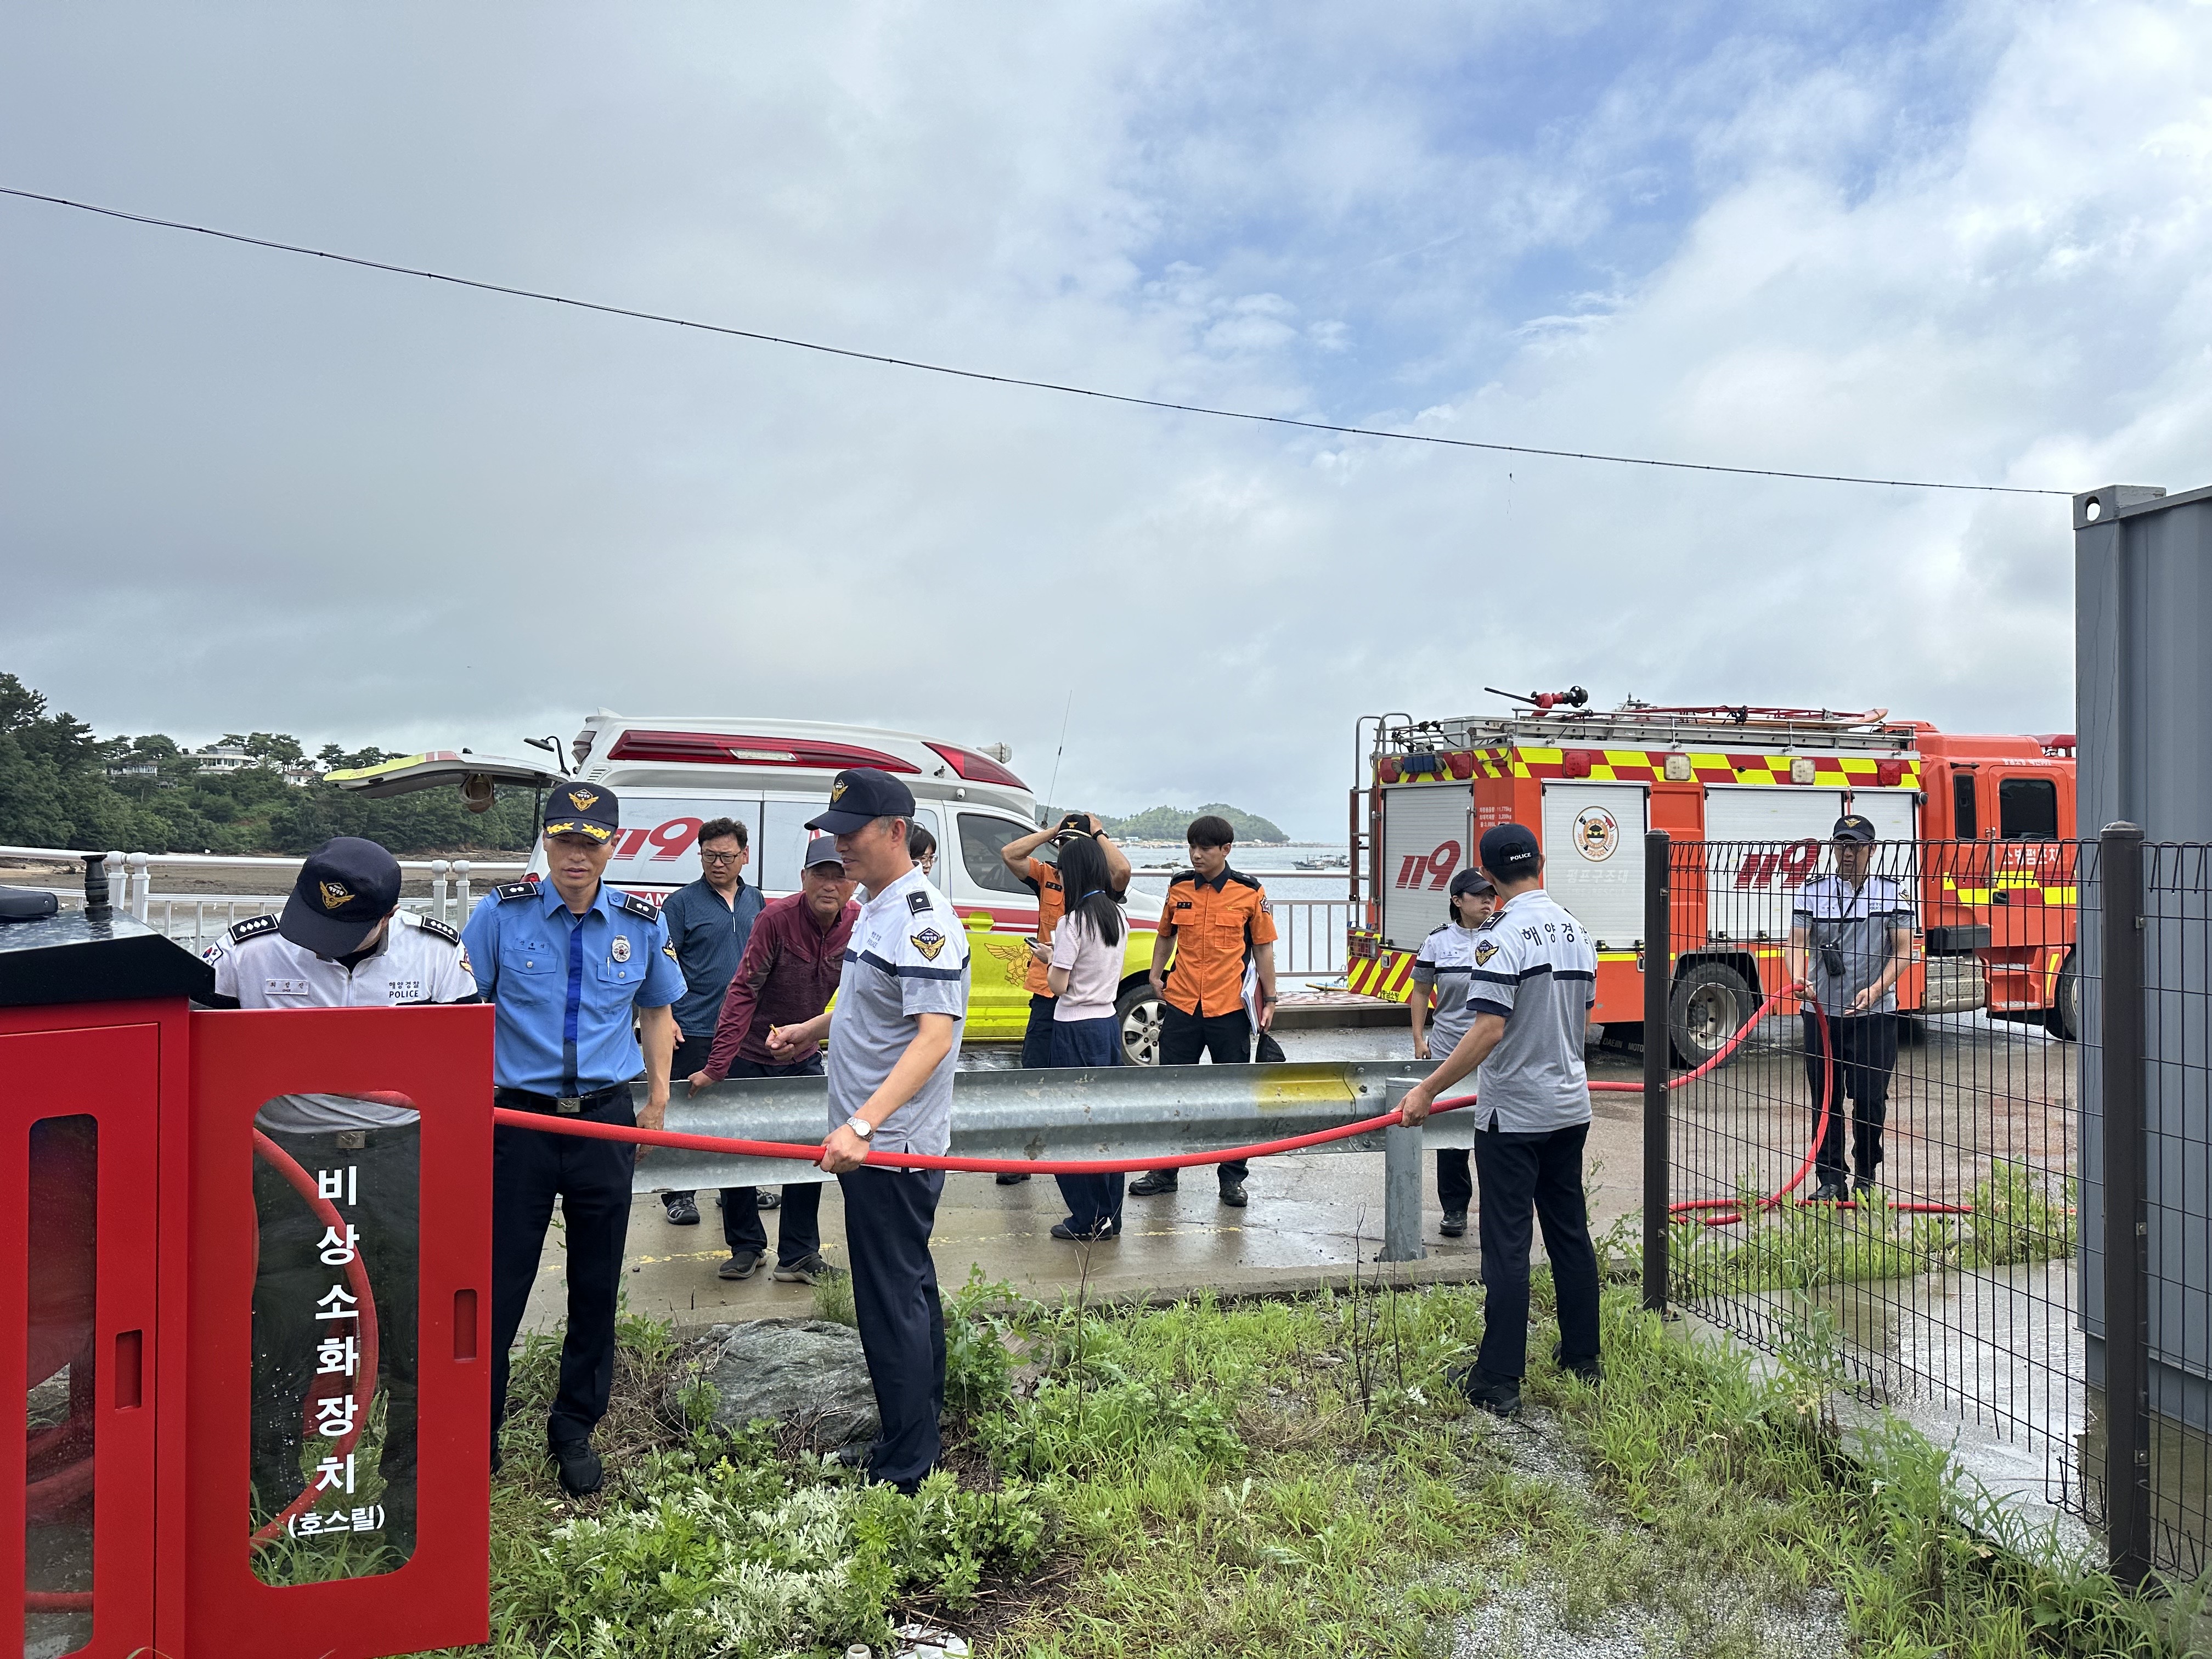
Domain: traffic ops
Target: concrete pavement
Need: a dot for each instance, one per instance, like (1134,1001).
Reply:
(1311,1217)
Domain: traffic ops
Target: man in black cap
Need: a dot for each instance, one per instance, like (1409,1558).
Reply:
(894,1045)
(341,942)
(1532,983)
(1851,935)
(570,962)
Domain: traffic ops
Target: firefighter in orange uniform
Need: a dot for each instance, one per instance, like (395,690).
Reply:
(1217,919)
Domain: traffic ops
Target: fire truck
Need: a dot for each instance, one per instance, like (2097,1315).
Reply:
(1981,827)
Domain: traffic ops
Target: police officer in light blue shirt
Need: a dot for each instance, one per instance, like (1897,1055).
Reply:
(570,962)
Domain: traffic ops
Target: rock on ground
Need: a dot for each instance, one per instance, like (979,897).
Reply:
(807,1374)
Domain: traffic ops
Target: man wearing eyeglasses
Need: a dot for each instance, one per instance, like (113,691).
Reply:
(708,923)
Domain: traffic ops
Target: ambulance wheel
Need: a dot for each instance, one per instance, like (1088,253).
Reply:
(2063,1019)
(1710,1003)
(1139,1014)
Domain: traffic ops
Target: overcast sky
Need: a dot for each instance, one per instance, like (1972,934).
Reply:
(243,490)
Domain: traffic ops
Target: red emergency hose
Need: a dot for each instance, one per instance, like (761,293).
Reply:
(356,1272)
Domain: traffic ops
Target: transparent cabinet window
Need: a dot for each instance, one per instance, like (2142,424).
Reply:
(64,1386)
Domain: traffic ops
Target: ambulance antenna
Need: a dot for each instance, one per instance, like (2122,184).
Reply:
(1066,709)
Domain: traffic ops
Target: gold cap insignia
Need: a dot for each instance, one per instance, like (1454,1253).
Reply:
(582,799)
(335,893)
(837,792)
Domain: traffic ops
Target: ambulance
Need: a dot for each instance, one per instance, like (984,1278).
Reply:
(1992,880)
(674,773)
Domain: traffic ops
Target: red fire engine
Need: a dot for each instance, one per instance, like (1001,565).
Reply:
(1993,873)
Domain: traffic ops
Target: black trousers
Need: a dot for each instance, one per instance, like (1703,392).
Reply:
(1036,1036)
(1227,1037)
(1543,1173)
(1455,1180)
(888,1217)
(1865,1055)
(381,1200)
(691,1053)
(798,1222)
(592,1180)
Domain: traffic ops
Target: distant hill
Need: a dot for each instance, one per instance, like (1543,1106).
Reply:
(1168,822)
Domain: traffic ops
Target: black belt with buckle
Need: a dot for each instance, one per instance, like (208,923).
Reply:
(525,1100)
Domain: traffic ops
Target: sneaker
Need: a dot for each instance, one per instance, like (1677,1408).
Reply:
(768,1198)
(1499,1397)
(683,1210)
(812,1271)
(1232,1194)
(1006,1178)
(1454,1225)
(1830,1191)
(582,1473)
(1065,1229)
(739,1265)
(1153,1182)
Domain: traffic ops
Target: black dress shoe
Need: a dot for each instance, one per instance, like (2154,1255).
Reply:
(1232,1194)
(1153,1183)
(683,1210)
(1066,1229)
(768,1198)
(1499,1395)
(1588,1369)
(1007,1178)
(579,1465)
(1454,1225)
(1830,1191)
(1862,1189)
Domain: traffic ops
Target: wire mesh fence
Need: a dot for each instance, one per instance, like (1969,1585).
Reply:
(1884,1177)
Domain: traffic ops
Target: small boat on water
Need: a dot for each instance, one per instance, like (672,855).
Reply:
(1326,861)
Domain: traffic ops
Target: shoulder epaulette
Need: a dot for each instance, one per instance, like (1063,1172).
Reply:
(1490,921)
(515,889)
(638,907)
(432,925)
(1438,928)
(1239,877)
(1182,875)
(252,928)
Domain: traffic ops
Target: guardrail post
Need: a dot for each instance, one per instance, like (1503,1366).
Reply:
(119,872)
(142,886)
(1401,1181)
(438,868)
(2127,1266)
(1658,1039)
(461,890)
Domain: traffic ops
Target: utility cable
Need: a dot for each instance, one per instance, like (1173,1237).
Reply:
(987,377)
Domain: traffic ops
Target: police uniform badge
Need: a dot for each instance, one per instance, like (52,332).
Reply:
(928,941)
(620,949)
(1484,949)
(335,894)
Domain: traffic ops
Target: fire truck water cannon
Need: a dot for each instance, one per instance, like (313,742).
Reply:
(1543,702)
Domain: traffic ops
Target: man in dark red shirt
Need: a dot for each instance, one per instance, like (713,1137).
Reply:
(786,976)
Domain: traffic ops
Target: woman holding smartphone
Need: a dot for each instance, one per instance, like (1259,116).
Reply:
(1441,971)
(1084,975)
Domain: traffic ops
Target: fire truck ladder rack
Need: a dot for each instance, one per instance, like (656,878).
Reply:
(1648,727)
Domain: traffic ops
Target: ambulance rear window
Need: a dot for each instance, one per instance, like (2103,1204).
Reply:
(2027,808)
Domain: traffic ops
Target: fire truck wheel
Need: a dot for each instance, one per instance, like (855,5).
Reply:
(1139,1012)
(2063,1020)
(1710,1003)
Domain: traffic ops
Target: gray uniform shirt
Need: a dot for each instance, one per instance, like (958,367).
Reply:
(1446,961)
(1856,923)
(908,956)
(1535,967)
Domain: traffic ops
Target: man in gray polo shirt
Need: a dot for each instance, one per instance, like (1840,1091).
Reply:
(894,1045)
(1851,935)
(1532,984)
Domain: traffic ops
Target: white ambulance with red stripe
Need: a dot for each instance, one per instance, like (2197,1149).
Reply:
(674,773)
(1994,908)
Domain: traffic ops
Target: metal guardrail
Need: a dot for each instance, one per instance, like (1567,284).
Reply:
(1132,1112)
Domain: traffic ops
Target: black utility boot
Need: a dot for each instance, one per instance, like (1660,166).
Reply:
(1065,1229)
(1232,1194)
(1589,1369)
(683,1209)
(1153,1182)
(580,1473)
(1008,1178)
(1454,1225)
(1830,1191)
(1499,1395)
(1862,1188)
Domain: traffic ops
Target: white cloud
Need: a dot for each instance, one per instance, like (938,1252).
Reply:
(239,489)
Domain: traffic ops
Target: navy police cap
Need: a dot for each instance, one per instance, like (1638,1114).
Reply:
(1852,827)
(1471,881)
(1509,851)
(859,796)
(345,888)
(583,808)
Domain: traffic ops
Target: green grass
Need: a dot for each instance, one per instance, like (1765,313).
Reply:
(1290,1477)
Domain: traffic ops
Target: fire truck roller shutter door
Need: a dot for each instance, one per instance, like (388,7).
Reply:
(1785,831)
(1594,857)
(1425,842)
(1893,813)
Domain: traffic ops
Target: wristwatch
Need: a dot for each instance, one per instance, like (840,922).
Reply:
(859,1125)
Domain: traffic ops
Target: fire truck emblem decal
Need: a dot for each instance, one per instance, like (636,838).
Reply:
(1597,833)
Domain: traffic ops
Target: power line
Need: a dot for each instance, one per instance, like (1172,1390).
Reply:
(1009,380)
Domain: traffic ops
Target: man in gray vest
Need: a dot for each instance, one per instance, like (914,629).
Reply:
(1532,982)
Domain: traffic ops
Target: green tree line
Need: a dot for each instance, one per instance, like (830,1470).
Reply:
(59,787)
(1168,822)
